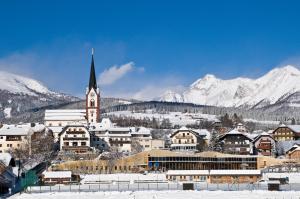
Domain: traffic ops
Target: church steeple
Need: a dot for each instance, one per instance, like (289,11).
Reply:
(92,96)
(93,82)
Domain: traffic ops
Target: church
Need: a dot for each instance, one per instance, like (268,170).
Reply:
(57,119)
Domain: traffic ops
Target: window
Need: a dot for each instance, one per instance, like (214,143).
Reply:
(83,143)
(0,145)
(92,103)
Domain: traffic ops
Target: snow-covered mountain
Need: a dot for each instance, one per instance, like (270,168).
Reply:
(19,94)
(273,87)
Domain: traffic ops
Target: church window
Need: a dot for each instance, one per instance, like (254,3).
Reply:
(92,103)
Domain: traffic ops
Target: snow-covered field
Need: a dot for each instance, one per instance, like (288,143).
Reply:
(166,195)
(174,117)
(88,179)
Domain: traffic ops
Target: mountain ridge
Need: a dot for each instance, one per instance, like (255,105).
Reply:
(240,91)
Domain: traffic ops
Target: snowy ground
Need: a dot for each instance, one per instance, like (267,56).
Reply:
(174,117)
(166,195)
(130,177)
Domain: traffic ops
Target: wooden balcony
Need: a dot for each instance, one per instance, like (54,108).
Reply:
(76,138)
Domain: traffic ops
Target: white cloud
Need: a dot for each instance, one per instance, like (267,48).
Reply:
(114,73)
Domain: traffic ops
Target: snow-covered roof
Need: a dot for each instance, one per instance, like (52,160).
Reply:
(56,129)
(235,172)
(295,128)
(187,172)
(9,129)
(57,174)
(65,114)
(183,128)
(141,131)
(5,158)
(236,132)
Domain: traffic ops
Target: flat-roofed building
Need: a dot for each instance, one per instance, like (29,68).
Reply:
(57,119)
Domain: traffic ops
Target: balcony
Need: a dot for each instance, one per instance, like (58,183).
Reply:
(75,132)
(184,137)
(13,138)
(75,138)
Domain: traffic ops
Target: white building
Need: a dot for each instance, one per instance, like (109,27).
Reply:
(105,135)
(75,138)
(57,119)
(16,136)
(143,136)
(185,139)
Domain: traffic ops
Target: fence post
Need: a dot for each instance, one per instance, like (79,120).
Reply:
(59,188)
(79,188)
(40,189)
(70,188)
(50,188)
(89,187)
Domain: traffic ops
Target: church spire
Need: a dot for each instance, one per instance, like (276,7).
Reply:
(92,83)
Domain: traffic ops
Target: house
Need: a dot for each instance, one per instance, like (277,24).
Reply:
(185,139)
(143,136)
(264,144)
(56,177)
(75,138)
(7,177)
(15,136)
(293,152)
(235,142)
(286,133)
(107,135)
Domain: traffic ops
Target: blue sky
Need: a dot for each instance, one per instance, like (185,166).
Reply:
(145,47)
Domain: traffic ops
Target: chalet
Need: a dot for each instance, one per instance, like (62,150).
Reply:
(286,132)
(293,152)
(264,144)
(185,139)
(75,138)
(235,142)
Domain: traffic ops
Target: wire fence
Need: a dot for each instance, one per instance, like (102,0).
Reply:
(161,186)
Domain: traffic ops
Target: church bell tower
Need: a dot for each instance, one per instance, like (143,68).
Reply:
(92,96)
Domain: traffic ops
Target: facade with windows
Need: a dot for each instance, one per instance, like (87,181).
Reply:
(186,140)
(75,138)
(264,144)
(106,135)
(286,132)
(235,142)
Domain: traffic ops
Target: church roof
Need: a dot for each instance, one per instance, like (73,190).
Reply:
(92,82)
